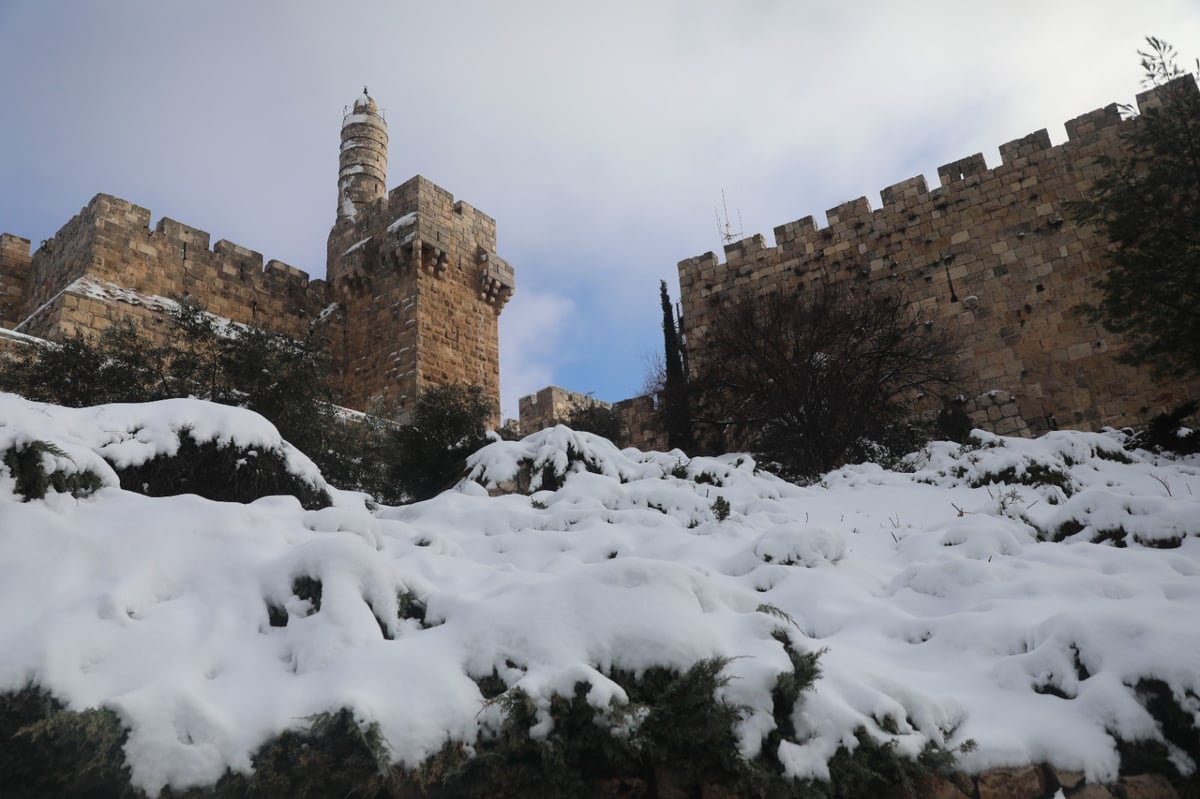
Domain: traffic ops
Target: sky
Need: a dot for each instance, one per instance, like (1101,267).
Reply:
(600,136)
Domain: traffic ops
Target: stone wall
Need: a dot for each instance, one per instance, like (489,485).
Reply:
(14,277)
(553,405)
(991,251)
(413,304)
(422,289)
(107,264)
(549,407)
(412,298)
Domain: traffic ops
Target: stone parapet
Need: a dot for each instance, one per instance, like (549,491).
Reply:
(992,252)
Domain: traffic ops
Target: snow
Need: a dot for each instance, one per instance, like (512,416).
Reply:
(943,609)
(356,118)
(403,221)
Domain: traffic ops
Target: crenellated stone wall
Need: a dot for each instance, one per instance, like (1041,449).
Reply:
(991,251)
(107,264)
(412,298)
(14,277)
(422,290)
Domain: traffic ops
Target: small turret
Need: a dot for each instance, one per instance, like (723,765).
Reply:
(362,163)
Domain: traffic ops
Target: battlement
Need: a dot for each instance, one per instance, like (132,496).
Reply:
(1084,132)
(991,250)
(13,246)
(14,277)
(110,240)
(413,290)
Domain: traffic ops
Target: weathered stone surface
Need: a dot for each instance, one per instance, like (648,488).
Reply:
(939,788)
(1146,786)
(1069,780)
(1012,783)
(1091,792)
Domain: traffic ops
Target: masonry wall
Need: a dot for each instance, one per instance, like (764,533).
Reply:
(422,288)
(110,241)
(992,252)
(14,278)
(550,406)
(553,405)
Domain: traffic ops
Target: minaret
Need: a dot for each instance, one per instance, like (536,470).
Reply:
(362,164)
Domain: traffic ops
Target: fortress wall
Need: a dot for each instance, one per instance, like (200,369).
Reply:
(992,253)
(14,278)
(110,241)
(423,289)
(550,406)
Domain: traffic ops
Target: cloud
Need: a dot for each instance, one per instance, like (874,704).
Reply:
(531,344)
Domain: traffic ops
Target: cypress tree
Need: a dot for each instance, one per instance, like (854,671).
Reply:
(675,412)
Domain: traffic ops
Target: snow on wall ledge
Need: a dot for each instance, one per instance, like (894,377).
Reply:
(944,612)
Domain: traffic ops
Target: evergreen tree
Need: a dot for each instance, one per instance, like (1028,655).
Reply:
(1147,202)
(429,455)
(676,412)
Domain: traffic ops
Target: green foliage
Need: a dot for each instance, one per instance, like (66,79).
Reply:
(47,750)
(720,508)
(224,473)
(1167,432)
(953,423)
(117,366)
(814,379)
(1147,203)
(1032,474)
(673,735)
(874,769)
(271,374)
(27,466)
(429,454)
(594,417)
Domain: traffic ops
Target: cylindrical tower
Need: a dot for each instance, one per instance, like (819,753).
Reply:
(362,164)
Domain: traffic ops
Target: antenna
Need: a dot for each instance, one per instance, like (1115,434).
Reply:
(725,229)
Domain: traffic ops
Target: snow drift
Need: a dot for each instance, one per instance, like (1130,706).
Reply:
(984,595)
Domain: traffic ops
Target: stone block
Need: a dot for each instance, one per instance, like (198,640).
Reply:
(1012,783)
(1146,786)
(1092,792)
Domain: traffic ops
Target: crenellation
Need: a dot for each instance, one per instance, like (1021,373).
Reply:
(1015,152)
(905,192)
(963,168)
(435,285)
(1091,123)
(990,250)
(849,212)
(1154,97)
(179,235)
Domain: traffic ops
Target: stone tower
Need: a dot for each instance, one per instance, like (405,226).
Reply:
(415,276)
(362,160)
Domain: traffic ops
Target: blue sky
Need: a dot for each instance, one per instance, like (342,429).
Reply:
(600,135)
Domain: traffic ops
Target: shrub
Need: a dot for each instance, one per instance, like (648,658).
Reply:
(808,380)
(27,466)
(599,419)
(47,750)
(428,455)
(1167,432)
(224,473)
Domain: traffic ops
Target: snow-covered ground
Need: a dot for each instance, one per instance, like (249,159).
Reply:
(944,609)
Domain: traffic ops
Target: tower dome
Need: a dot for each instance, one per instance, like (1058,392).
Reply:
(362,163)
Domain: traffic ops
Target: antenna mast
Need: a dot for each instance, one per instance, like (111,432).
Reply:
(725,229)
